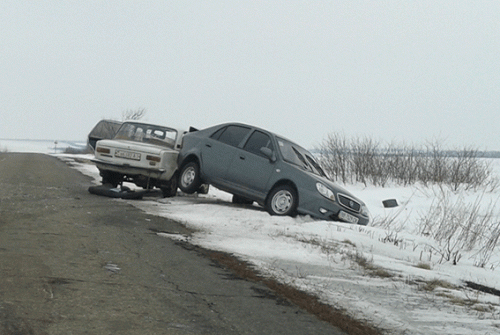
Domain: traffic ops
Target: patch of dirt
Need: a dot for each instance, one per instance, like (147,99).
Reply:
(336,317)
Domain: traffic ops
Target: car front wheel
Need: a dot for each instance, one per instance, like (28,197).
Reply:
(282,200)
(189,181)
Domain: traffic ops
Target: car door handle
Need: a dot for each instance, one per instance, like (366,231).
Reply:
(242,158)
(208,145)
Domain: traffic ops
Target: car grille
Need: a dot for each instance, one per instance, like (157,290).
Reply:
(350,203)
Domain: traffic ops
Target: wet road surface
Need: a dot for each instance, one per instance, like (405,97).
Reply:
(76,263)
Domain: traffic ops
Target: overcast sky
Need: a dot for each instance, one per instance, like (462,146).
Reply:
(396,71)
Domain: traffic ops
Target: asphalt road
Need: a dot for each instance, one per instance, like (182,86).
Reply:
(76,263)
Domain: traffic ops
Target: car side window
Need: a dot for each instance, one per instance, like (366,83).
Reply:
(316,166)
(300,157)
(257,141)
(217,134)
(232,135)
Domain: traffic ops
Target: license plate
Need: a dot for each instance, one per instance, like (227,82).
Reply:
(128,155)
(348,217)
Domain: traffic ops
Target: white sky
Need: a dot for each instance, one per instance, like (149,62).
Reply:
(393,70)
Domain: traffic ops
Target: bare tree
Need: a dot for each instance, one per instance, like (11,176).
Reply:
(133,114)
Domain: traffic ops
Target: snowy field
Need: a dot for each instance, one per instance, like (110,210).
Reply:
(393,273)
(39,146)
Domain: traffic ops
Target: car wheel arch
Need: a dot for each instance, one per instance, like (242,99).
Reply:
(282,199)
(284,182)
(189,159)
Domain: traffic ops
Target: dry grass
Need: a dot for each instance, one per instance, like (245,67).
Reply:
(424,266)
(371,269)
(433,284)
(482,308)
(381,273)
(349,242)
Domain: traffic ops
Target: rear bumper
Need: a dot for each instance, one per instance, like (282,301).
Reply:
(129,170)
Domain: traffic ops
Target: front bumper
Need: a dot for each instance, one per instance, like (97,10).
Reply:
(319,207)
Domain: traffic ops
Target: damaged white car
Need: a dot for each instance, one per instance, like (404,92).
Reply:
(143,154)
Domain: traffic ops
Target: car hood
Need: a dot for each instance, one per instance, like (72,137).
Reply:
(135,146)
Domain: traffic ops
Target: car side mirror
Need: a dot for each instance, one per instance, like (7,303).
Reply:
(269,154)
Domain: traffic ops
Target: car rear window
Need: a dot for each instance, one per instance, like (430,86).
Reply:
(147,133)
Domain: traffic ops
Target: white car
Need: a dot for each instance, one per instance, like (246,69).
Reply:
(141,153)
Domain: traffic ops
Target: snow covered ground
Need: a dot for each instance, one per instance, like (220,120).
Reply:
(39,146)
(383,273)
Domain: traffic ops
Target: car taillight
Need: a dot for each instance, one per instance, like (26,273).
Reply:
(103,150)
(153,158)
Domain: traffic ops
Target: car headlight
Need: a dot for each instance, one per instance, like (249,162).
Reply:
(325,191)
(364,211)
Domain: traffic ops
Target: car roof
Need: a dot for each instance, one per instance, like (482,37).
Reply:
(255,128)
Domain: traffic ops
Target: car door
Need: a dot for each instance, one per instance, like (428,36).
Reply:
(250,169)
(219,150)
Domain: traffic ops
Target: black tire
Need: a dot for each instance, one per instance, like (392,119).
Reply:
(189,178)
(203,189)
(111,178)
(241,200)
(170,190)
(282,200)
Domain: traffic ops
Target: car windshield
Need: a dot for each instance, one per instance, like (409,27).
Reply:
(147,133)
(294,154)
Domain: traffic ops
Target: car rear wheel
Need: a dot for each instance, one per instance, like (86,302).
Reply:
(282,200)
(241,200)
(170,190)
(189,181)
(112,178)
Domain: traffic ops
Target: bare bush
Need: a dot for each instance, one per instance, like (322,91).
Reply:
(459,227)
(483,256)
(367,161)
(335,157)
(133,114)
